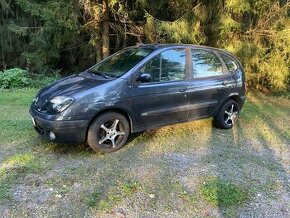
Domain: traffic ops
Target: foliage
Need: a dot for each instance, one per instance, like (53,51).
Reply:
(41,80)
(19,78)
(258,33)
(14,78)
(260,39)
(70,34)
(57,29)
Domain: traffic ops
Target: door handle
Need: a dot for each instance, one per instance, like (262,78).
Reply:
(237,76)
(182,90)
(225,83)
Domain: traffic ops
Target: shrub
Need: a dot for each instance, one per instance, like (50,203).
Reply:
(19,78)
(41,80)
(14,78)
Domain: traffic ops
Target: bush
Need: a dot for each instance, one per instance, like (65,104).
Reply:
(19,78)
(41,80)
(14,78)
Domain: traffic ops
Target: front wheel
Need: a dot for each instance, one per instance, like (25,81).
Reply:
(108,132)
(227,115)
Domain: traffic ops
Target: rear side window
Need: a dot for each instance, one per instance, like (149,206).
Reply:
(205,64)
(167,66)
(230,63)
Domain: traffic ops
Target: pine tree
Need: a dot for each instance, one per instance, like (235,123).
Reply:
(43,34)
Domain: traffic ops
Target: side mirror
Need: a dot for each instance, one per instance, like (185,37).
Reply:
(144,77)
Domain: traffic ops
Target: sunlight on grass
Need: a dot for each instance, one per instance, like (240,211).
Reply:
(18,161)
(178,137)
(269,120)
(14,168)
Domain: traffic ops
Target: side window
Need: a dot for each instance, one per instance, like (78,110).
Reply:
(205,64)
(152,67)
(173,65)
(231,64)
(167,66)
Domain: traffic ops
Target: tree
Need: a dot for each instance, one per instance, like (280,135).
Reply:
(106,29)
(53,28)
(74,34)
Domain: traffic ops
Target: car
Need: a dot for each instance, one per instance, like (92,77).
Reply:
(141,88)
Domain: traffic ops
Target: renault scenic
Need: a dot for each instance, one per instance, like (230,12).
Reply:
(137,89)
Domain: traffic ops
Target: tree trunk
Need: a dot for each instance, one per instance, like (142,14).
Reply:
(106,29)
(98,48)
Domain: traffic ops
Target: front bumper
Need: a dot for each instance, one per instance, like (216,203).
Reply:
(66,131)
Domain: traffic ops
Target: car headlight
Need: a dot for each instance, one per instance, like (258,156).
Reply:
(59,103)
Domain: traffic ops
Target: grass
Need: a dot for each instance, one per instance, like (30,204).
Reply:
(113,196)
(221,193)
(14,168)
(184,170)
(15,123)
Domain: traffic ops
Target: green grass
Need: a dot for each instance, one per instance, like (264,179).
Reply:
(114,196)
(14,168)
(22,163)
(15,120)
(94,198)
(184,170)
(221,193)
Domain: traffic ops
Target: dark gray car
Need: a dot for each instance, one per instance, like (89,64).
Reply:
(140,88)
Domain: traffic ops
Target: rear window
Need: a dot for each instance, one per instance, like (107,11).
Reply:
(230,63)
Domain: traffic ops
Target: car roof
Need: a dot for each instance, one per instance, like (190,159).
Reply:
(160,46)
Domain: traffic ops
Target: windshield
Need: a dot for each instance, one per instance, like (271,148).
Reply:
(121,62)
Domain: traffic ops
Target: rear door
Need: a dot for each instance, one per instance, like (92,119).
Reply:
(209,85)
(162,100)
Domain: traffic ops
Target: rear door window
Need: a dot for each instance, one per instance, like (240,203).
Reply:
(205,64)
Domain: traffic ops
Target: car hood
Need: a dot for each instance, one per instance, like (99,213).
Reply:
(69,86)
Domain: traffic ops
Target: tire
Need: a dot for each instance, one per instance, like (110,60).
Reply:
(108,132)
(227,115)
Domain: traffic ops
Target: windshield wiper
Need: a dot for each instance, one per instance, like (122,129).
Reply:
(106,75)
(98,73)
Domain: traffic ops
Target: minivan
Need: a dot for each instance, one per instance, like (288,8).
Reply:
(140,88)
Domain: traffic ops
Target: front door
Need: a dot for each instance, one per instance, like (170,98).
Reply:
(163,99)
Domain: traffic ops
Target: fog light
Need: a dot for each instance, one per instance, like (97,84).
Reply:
(51,136)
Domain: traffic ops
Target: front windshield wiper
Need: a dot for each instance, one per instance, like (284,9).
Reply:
(101,74)
(98,73)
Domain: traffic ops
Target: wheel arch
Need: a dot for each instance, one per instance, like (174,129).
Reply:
(234,96)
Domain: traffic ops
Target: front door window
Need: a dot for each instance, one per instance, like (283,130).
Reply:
(170,65)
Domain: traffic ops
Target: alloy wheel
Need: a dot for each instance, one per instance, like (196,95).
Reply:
(111,133)
(231,115)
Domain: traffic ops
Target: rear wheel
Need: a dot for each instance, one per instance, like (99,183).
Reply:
(108,132)
(227,115)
